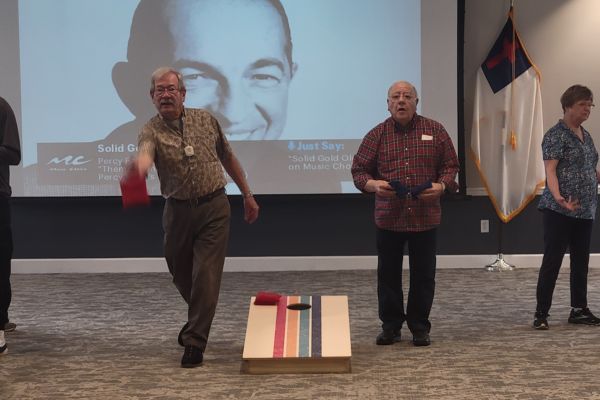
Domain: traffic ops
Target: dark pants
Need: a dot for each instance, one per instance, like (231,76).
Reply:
(561,232)
(422,259)
(6,249)
(196,237)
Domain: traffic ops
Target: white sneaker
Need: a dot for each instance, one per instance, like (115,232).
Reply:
(3,346)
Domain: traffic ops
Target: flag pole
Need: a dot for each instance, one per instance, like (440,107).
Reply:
(499,264)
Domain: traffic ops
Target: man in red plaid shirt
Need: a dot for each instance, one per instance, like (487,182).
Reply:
(408,161)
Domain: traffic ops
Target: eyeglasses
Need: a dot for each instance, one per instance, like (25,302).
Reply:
(159,91)
(398,95)
(585,104)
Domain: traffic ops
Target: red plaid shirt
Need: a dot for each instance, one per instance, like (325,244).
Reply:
(413,155)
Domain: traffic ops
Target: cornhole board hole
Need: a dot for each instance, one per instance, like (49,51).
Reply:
(301,334)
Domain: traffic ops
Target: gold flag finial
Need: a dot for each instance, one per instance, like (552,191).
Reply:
(513,140)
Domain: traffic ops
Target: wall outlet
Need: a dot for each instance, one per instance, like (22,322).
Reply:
(485,225)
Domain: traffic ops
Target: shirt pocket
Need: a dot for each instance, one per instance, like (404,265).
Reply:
(425,153)
(170,147)
(204,147)
(391,162)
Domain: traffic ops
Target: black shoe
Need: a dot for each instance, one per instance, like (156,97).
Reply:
(388,336)
(192,357)
(583,316)
(179,337)
(540,322)
(421,339)
(10,326)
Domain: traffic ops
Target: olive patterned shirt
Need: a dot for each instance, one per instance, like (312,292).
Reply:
(576,170)
(186,174)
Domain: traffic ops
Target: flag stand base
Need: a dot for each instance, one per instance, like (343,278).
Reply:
(499,265)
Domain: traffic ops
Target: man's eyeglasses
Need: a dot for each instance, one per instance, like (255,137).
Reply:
(406,95)
(159,91)
(586,104)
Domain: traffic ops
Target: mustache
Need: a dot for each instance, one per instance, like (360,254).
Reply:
(166,102)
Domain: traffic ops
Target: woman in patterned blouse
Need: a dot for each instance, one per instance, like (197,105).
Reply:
(569,206)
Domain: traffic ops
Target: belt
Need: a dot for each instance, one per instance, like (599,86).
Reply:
(199,200)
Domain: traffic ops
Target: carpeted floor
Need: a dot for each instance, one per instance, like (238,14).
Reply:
(114,336)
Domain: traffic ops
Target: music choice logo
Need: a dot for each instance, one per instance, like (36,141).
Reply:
(73,162)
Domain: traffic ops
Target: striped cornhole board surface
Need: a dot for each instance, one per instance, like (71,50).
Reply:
(318,333)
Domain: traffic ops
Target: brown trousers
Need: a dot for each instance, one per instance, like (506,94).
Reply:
(196,237)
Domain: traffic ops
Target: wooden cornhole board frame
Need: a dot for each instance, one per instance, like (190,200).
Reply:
(280,340)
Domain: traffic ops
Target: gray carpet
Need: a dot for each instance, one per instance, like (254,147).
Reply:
(105,336)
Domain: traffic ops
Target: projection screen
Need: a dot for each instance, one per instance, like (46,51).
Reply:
(294,98)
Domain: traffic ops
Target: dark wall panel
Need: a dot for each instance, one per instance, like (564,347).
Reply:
(306,225)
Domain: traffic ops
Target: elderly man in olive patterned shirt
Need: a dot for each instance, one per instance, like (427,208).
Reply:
(189,150)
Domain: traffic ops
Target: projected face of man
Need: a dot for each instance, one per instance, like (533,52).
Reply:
(231,54)
(402,102)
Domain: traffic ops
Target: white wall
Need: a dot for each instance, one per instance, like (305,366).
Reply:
(562,38)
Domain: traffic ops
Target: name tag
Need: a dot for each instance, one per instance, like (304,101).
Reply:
(426,137)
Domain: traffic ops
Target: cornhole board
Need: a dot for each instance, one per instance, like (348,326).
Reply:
(284,340)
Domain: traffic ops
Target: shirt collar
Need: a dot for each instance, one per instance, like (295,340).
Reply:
(182,116)
(408,127)
(565,126)
(176,124)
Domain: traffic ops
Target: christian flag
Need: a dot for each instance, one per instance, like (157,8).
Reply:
(507,125)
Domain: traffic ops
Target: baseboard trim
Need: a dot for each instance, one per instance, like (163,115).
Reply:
(256,264)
